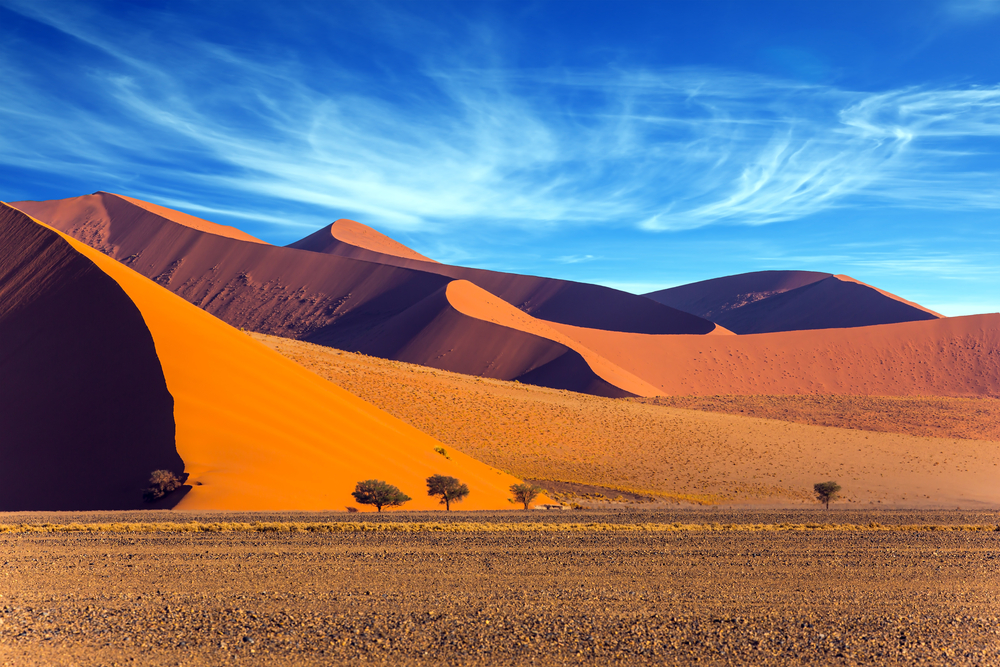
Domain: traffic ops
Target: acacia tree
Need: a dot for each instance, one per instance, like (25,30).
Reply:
(161,482)
(378,493)
(827,491)
(449,488)
(524,493)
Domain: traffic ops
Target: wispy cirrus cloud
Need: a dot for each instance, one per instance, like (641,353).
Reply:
(670,149)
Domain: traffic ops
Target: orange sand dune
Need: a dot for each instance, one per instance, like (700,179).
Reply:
(256,431)
(769,301)
(669,453)
(941,357)
(480,304)
(348,238)
(435,332)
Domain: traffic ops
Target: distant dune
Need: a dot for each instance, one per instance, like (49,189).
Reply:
(380,308)
(159,247)
(349,287)
(599,445)
(108,376)
(770,301)
(955,356)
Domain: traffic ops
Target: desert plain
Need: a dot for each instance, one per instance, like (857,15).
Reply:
(677,587)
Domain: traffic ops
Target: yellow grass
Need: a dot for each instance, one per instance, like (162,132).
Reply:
(470,527)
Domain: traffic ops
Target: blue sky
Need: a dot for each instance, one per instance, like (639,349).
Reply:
(633,144)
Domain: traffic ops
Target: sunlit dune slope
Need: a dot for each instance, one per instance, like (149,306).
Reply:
(935,417)
(85,414)
(439,333)
(302,297)
(348,238)
(665,452)
(954,356)
(256,431)
(480,304)
(769,301)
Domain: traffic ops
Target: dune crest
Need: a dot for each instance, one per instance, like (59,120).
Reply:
(772,301)
(848,279)
(349,238)
(480,304)
(190,221)
(257,431)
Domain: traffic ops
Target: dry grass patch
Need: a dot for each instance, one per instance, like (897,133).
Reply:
(473,527)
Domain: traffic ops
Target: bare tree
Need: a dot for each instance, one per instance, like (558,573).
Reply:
(378,493)
(827,491)
(524,493)
(450,489)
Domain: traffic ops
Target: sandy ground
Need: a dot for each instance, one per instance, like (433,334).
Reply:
(666,452)
(588,597)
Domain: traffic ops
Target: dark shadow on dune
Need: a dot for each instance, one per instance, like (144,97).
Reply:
(85,415)
(571,372)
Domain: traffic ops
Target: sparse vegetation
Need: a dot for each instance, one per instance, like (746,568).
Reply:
(378,493)
(524,494)
(827,491)
(449,488)
(442,452)
(161,482)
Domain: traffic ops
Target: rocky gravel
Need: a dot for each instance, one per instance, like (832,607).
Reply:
(720,598)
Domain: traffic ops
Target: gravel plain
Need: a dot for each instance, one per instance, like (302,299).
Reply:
(724,597)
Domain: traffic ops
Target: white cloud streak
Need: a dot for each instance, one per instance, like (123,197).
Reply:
(666,150)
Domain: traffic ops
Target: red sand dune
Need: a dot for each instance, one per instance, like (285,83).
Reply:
(378,309)
(564,301)
(955,356)
(770,301)
(253,429)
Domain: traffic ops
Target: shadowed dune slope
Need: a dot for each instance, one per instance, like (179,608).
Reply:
(454,333)
(769,301)
(85,414)
(168,252)
(580,304)
(954,356)
(348,238)
(256,431)
(378,309)
(541,433)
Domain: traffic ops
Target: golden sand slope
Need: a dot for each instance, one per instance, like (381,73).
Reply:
(934,417)
(256,431)
(667,452)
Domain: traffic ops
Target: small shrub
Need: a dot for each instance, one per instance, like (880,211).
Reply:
(442,452)
(161,482)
